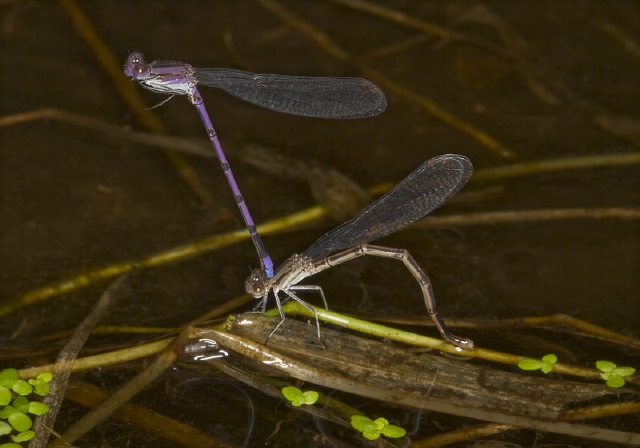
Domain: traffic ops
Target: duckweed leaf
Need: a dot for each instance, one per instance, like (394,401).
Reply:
(37,408)
(18,420)
(545,364)
(21,404)
(5,396)
(41,383)
(8,377)
(23,436)
(297,397)
(5,428)
(605,366)
(613,374)
(393,431)
(22,387)
(372,429)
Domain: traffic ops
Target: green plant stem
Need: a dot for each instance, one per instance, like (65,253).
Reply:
(383,331)
(104,359)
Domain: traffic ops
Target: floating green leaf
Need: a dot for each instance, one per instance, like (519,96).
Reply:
(8,377)
(6,411)
(37,408)
(366,426)
(613,374)
(5,396)
(22,387)
(625,371)
(545,364)
(10,445)
(605,366)
(372,429)
(42,389)
(297,397)
(5,428)
(23,436)
(613,380)
(45,376)
(41,383)
(18,420)
(393,431)
(530,364)
(21,404)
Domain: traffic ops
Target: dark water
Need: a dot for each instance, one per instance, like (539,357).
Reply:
(74,200)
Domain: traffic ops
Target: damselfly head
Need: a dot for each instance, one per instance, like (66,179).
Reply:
(255,284)
(135,67)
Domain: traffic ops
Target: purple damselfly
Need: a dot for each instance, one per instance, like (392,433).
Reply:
(321,97)
(421,192)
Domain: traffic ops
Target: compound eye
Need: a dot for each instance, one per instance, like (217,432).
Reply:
(257,290)
(140,71)
(255,284)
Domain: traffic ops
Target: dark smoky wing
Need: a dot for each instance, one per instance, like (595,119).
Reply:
(421,192)
(320,97)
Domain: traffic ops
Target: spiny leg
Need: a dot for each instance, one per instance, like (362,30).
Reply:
(262,306)
(416,271)
(282,316)
(312,288)
(305,304)
(291,295)
(159,104)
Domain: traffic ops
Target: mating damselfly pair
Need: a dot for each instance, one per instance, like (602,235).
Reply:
(421,192)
